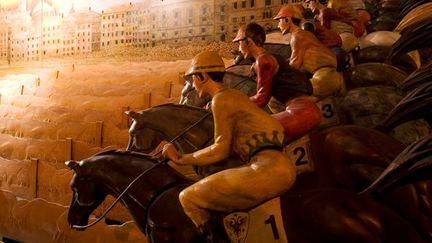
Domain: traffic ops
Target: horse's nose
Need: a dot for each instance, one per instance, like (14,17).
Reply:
(72,164)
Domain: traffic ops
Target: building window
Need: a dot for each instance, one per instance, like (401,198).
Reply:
(243,19)
(203,30)
(235,20)
(268,2)
(243,4)
(252,17)
(285,1)
(267,14)
(222,9)
(252,3)
(235,5)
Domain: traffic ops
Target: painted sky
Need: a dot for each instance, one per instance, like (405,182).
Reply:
(65,5)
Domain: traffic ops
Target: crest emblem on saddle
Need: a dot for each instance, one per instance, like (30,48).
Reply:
(263,223)
(236,226)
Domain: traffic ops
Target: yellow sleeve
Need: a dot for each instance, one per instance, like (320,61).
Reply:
(223,114)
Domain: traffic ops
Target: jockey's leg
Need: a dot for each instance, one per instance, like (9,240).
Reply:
(326,82)
(268,174)
(301,116)
(276,106)
(349,41)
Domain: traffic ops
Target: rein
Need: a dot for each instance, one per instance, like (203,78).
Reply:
(140,175)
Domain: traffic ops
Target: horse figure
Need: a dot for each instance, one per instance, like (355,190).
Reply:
(332,215)
(347,157)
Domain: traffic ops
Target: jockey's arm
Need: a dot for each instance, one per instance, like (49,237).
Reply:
(298,47)
(223,125)
(266,68)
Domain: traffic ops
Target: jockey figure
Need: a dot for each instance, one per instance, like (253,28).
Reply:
(330,39)
(276,80)
(309,54)
(338,18)
(286,91)
(243,130)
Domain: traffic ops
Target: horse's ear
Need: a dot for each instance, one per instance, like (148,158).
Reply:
(132,114)
(72,164)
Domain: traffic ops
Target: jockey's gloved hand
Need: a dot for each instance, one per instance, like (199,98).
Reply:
(169,151)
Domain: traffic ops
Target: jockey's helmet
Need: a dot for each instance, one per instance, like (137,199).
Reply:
(206,61)
(290,11)
(252,30)
(241,33)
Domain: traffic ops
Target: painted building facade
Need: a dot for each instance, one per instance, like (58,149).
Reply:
(36,30)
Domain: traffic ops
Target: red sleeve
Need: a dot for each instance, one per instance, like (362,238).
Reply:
(326,15)
(265,67)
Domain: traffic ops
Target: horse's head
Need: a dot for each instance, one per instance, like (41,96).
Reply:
(142,138)
(87,196)
(189,96)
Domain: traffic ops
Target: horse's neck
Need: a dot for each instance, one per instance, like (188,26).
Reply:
(126,168)
(172,116)
(174,120)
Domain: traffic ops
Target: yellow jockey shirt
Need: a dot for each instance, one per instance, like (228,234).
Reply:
(241,129)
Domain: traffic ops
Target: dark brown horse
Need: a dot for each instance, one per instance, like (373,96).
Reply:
(326,215)
(348,157)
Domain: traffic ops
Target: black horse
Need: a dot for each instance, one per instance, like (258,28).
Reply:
(325,215)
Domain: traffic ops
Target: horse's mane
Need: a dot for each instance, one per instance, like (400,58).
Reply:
(178,106)
(126,152)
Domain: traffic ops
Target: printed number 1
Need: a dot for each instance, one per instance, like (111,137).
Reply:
(271,220)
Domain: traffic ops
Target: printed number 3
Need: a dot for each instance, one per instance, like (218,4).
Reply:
(271,220)
(328,111)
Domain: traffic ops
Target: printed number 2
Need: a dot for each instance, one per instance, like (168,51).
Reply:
(328,111)
(271,220)
(302,152)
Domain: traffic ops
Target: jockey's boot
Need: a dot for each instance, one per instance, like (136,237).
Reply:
(213,232)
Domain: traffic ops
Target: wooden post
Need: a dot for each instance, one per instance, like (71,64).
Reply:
(57,74)
(126,118)
(37,82)
(180,78)
(168,89)
(99,133)
(69,148)
(147,100)
(22,89)
(34,167)
(73,67)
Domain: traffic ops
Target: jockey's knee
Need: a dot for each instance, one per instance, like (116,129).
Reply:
(183,197)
